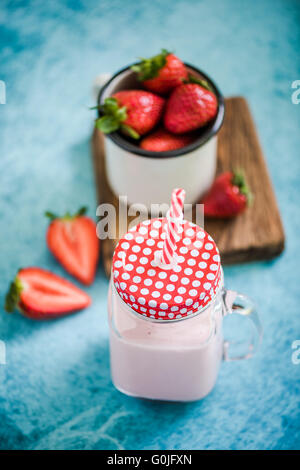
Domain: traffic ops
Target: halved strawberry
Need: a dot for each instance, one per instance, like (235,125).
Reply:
(134,112)
(40,294)
(73,241)
(228,196)
(161,73)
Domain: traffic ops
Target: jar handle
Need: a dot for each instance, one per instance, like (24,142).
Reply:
(240,304)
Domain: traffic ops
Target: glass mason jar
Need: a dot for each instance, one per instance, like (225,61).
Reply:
(176,357)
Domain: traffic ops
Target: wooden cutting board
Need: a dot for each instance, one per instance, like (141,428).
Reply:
(257,234)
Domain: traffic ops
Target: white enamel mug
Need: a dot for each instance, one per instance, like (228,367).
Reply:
(149,177)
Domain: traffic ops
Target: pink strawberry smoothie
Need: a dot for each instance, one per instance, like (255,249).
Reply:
(176,361)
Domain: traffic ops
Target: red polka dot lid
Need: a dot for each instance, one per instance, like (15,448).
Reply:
(166,292)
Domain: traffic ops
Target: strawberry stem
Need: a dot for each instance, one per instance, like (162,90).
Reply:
(51,215)
(81,211)
(130,131)
(199,81)
(111,116)
(239,180)
(67,215)
(12,297)
(149,68)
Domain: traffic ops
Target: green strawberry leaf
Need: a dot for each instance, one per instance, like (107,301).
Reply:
(111,116)
(51,215)
(239,180)
(81,211)
(199,81)
(13,295)
(107,124)
(67,215)
(130,131)
(110,106)
(121,113)
(149,68)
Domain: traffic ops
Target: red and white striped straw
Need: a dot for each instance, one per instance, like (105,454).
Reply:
(174,217)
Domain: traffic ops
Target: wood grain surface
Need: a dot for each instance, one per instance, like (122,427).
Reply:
(257,234)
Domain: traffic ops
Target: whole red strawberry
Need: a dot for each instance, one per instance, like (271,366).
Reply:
(163,141)
(73,240)
(40,294)
(161,73)
(189,107)
(228,196)
(134,112)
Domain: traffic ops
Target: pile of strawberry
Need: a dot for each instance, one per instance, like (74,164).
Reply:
(175,105)
(166,117)
(41,294)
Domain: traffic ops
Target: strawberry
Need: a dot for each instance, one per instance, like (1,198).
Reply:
(190,106)
(40,294)
(228,196)
(162,141)
(73,241)
(161,73)
(134,112)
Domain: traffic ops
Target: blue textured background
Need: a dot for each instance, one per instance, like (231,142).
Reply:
(55,390)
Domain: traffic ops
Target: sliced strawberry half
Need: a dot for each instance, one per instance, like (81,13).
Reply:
(39,294)
(74,243)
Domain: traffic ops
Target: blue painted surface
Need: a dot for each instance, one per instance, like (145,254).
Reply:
(55,389)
